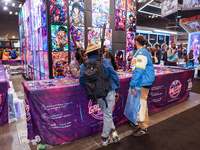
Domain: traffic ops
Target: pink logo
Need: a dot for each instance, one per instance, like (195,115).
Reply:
(95,111)
(175,89)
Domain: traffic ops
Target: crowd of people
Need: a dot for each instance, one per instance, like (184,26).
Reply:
(170,55)
(6,54)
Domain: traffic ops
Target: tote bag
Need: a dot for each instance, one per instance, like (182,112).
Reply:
(133,105)
(142,111)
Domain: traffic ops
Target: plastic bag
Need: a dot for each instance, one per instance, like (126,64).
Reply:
(190,65)
(142,111)
(133,105)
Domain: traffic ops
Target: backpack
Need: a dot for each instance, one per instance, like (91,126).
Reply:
(96,82)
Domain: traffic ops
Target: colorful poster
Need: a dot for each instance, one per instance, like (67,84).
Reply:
(168,7)
(191,4)
(194,45)
(44,36)
(129,55)
(46,65)
(94,35)
(59,38)
(98,20)
(59,64)
(120,4)
(58,12)
(130,41)
(76,13)
(41,62)
(120,56)
(100,13)
(40,39)
(131,6)
(101,6)
(108,38)
(44,16)
(36,40)
(79,36)
(120,18)
(131,22)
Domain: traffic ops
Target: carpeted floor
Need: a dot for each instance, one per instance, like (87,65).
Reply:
(180,132)
(196,85)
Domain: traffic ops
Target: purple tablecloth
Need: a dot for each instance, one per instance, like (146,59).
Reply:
(13,62)
(4,85)
(61,114)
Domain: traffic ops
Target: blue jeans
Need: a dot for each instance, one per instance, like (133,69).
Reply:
(107,113)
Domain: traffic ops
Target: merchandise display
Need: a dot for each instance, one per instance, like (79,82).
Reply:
(168,7)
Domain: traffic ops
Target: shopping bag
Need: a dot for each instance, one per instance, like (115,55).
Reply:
(142,111)
(133,105)
(190,65)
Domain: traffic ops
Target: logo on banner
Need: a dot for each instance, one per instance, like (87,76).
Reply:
(1,97)
(95,111)
(175,89)
(27,108)
(190,84)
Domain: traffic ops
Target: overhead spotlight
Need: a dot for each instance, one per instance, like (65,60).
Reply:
(13,4)
(5,8)
(149,16)
(16,13)
(153,16)
(10,12)
(7,0)
(20,5)
(156,16)
(6,3)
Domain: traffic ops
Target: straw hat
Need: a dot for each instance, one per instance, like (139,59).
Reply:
(92,48)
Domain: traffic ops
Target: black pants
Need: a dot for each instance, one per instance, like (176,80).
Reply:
(171,63)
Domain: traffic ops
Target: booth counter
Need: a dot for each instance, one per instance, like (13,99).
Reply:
(4,86)
(58,109)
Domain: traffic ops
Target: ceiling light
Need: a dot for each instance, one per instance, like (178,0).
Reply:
(164,31)
(153,16)
(5,8)
(6,3)
(13,4)
(7,0)
(20,5)
(149,16)
(16,13)
(10,12)
(156,16)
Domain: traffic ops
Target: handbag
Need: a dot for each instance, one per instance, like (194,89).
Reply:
(142,111)
(133,105)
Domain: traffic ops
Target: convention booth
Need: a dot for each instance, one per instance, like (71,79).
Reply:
(57,109)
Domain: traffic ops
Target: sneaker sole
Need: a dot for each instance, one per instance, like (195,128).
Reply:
(140,134)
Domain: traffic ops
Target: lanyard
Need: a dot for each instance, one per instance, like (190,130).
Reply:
(138,50)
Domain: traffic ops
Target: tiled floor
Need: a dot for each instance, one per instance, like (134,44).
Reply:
(13,136)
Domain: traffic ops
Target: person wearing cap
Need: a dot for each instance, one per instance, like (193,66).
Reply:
(112,97)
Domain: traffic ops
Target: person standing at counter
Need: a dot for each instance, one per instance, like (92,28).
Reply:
(75,64)
(113,95)
(172,55)
(143,77)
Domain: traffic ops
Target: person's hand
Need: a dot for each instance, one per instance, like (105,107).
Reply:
(175,51)
(133,92)
(116,97)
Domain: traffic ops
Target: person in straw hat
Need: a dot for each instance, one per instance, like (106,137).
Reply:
(112,97)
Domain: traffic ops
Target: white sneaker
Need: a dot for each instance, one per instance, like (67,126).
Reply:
(115,136)
(105,141)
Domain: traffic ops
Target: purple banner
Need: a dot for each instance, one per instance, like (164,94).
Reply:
(4,85)
(60,112)
(63,113)
(12,62)
(169,88)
